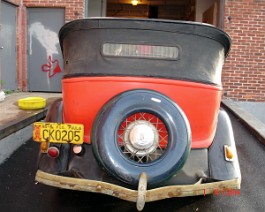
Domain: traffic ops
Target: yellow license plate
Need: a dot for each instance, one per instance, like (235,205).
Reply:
(58,133)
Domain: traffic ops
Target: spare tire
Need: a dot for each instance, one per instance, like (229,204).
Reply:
(141,131)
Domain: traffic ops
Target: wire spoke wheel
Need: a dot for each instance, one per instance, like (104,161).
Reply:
(142,137)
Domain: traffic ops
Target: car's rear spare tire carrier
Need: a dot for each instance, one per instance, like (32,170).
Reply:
(141,131)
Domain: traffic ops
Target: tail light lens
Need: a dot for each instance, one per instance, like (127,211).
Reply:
(229,153)
(53,152)
(78,150)
(44,147)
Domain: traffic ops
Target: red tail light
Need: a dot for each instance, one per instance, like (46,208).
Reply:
(53,152)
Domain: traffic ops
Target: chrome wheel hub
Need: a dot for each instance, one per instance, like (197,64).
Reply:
(141,138)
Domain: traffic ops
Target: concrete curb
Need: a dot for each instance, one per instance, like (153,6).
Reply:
(16,124)
(251,122)
(19,124)
(11,143)
(17,132)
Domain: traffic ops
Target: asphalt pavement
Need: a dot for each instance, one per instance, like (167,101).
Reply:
(20,193)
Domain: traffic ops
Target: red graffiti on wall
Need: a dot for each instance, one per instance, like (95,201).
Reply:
(52,67)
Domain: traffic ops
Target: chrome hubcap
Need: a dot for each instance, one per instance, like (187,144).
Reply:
(141,138)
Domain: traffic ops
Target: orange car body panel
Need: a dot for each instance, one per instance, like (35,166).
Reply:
(83,98)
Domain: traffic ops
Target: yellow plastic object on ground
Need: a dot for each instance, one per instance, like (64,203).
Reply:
(32,103)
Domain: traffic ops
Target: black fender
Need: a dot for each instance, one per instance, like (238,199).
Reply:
(219,168)
(55,112)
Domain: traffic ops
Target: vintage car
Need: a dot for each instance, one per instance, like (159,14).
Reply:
(140,117)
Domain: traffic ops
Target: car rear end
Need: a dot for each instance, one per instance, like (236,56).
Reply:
(140,112)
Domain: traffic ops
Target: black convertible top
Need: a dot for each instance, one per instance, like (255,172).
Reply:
(201,48)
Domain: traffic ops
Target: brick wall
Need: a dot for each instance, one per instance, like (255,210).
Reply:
(74,9)
(127,10)
(244,71)
(142,11)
